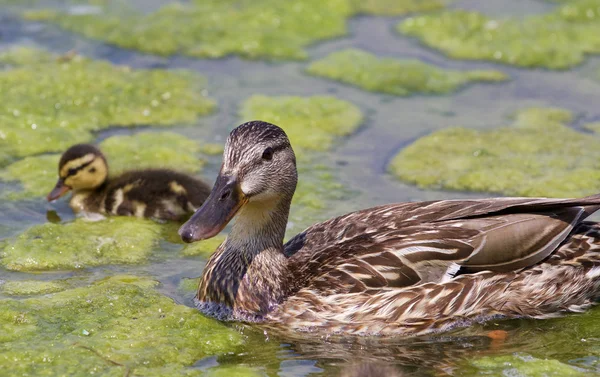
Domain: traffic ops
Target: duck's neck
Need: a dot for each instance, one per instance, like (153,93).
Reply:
(89,200)
(249,272)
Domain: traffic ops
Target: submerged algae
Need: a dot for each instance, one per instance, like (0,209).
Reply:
(38,174)
(216,28)
(317,190)
(105,329)
(152,150)
(396,7)
(32,287)
(51,102)
(556,40)
(81,244)
(204,247)
(524,365)
(393,76)
(311,123)
(536,156)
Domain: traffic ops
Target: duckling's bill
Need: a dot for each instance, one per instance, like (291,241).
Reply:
(224,201)
(59,190)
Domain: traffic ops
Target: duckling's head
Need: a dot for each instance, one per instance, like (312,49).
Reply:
(259,169)
(81,167)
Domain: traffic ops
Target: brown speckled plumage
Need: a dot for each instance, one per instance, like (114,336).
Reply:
(399,269)
(153,193)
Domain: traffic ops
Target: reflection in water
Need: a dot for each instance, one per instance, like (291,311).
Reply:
(371,370)
(53,217)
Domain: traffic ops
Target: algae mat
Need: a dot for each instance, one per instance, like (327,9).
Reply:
(557,40)
(50,102)
(106,329)
(254,29)
(539,155)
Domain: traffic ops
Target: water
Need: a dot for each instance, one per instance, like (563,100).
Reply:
(360,162)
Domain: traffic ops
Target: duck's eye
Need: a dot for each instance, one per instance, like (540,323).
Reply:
(72,171)
(92,170)
(268,154)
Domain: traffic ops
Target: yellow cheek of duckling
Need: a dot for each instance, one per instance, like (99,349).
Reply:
(90,177)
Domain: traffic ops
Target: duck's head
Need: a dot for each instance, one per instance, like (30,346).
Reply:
(81,167)
(259,169)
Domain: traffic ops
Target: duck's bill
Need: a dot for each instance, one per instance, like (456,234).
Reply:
(224,201)
(59,190)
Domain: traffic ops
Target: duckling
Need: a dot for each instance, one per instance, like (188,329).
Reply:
(155,193)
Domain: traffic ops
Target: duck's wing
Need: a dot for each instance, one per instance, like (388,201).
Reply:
(412,243)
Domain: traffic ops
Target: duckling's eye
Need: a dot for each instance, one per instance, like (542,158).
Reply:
(92,170)
(268,154)
(72,171)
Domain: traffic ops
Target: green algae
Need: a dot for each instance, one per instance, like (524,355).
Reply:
(393,76)
(212,149)
(270,29)
(152,150)
(311,123)
(38,174)
(594,127)
(318,190)
(556,40)
(32,287)
(204,248)
(523,365)
(105,329)
(189,285)
(51,102)
(81,244)
(536,156)
(215,28)
(396,7)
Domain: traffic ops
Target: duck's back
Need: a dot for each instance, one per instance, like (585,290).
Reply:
(157,193)
(379,269)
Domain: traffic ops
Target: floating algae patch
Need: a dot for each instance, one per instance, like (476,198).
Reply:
(594,127)
(396,7)
(32,287)
(556,40)
(521,364)
(538,155)
(311,123)
(188,285)
(51,102)
(215,28)
(317,191)
(204,247)
(38,174)
(81,244)
(212,149)
(393,76)
(152,150)
(270,29)
(105,329)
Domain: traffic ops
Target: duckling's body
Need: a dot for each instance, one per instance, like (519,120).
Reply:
(399,269)
(153,193)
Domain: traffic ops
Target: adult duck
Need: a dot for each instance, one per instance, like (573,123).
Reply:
(398,269)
